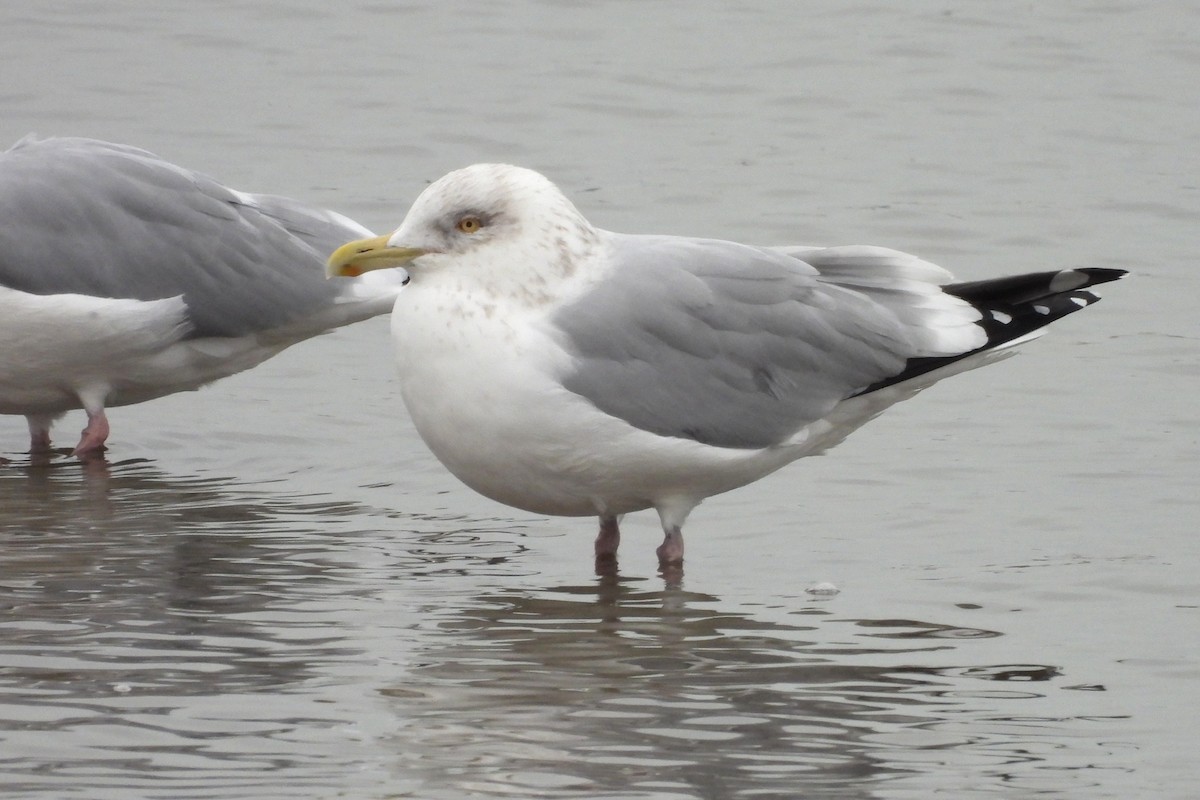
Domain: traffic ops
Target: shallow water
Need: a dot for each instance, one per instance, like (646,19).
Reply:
(273,590)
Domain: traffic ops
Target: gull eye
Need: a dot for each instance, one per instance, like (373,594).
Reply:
(469,224)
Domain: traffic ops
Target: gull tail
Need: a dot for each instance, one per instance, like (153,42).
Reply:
(1014,310)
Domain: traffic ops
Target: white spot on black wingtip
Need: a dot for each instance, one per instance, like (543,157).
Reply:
(1067,280)
(1012,310)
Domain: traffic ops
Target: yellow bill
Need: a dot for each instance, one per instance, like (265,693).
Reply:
(363,255)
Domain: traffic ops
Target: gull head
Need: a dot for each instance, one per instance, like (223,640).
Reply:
(497,221)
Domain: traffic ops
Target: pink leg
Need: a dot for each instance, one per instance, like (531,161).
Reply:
(94,435)
(608,539)
(39,434)
(39,442)
(671,550)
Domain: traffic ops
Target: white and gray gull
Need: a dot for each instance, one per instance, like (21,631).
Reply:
(124,278)
(568,370)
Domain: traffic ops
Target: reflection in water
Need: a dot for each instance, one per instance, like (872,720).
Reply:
(186,635)
(184,631)
(620,689)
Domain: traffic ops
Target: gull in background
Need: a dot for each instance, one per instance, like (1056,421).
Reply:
(124,278)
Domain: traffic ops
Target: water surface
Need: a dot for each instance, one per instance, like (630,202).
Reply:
(273,590)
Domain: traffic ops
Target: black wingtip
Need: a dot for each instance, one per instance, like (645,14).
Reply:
(1014,307)
(1020,304)
(1018,289)
(1101,274)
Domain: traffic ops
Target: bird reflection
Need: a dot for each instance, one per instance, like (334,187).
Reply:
(190,594)
(221,615)
(139,561)
(624,685)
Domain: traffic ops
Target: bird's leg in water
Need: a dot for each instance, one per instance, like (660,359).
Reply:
(94,435)
(608,539)
(39,442)
(671,550)
(39,433)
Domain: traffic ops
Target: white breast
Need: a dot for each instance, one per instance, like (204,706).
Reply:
(482,388)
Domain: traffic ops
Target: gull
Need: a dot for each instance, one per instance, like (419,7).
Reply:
(124,278)
(568,370)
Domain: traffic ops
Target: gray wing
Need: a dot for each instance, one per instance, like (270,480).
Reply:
(731,345)
(89,217)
